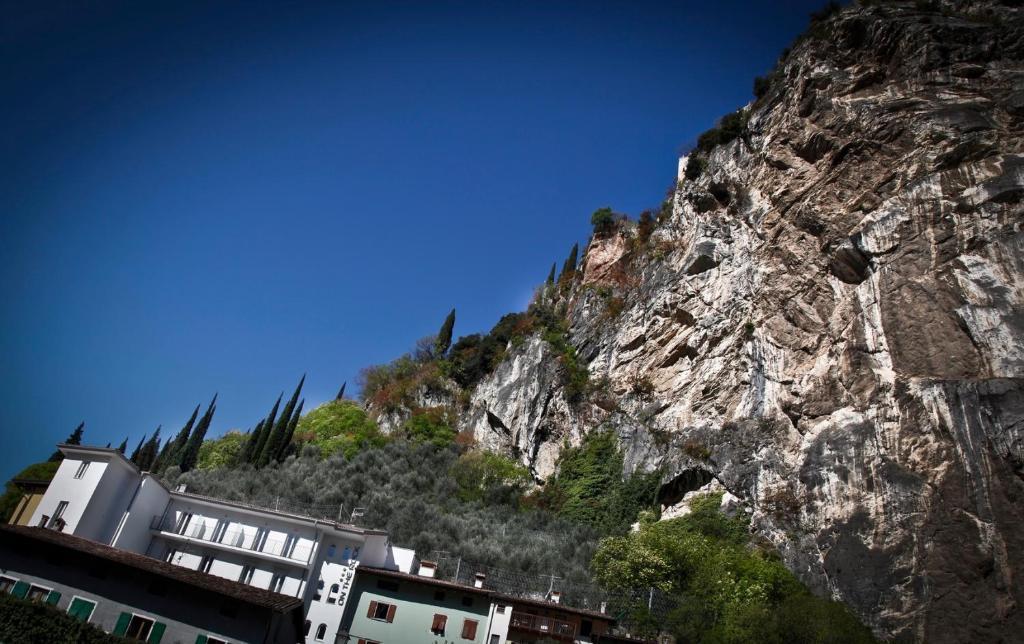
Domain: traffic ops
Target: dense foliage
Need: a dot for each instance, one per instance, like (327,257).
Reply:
(427,497)
(31,622)
(590,487)
(728,591)
(13,494)
(221,452)
(340,426)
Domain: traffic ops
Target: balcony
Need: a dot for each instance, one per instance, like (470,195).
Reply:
(549,626)
(235,540)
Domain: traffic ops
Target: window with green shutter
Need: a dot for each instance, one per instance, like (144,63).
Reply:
(20,589)
(53,598)
(200,639)
(157,633)
(122,623)
(81,608)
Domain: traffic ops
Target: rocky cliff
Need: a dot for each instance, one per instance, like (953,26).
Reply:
(829,324)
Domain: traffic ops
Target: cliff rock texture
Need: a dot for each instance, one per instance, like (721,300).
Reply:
(829,324)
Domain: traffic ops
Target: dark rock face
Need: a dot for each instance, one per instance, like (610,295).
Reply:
(837,336)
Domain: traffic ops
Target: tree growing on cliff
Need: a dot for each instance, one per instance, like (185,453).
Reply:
(444,335)
(603,221)
(569,267)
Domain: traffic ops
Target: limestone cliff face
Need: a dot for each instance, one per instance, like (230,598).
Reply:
(830,325)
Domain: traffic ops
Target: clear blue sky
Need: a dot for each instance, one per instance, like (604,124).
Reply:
(204,197)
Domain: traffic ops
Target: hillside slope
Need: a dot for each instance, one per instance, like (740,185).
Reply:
(828,323)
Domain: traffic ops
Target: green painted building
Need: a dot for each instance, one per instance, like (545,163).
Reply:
(397,608)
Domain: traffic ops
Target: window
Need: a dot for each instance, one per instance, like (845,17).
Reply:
(82,467)
(380,610)
(346,553)
(171,553)
(81,608)
(6,583)
(139,628)
(183,521)
(277,582)
(289,545)
(501,609)
(439,595)
(218,532)
(306,627)
(205,563)
(469,629)
(319,590)
(437,626)
(37,593)
(321,631)
(58,515)
(332,597)
(384,584)
(260,539)
(495,639)
(331,550)
(210,639)
(467,601)
(355,553)
(246,576)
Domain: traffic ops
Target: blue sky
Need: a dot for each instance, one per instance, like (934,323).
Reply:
(219,197)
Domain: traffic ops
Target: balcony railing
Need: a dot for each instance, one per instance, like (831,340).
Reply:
(236,538)
(547,625)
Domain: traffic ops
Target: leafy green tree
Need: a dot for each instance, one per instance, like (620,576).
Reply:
(430,425)
(603,221)
(74,439)
(339,426)
(221,452)
(190,454)
(444,335)
(486,476)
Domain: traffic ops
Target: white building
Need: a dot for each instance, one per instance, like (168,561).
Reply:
(99,495)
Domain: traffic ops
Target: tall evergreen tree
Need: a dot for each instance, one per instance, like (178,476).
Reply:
(551,275)
(268,428)
(134,458)
(276,443)
(341,392)
(569,267)
(74,439)
(149,451)
(246,454)
(172,451)
(291,430)
(444,335)
(123,446)
(190,455)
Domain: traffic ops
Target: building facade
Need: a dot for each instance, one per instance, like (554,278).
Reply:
(137,597)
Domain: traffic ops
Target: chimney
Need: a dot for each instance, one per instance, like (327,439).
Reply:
(428,569)
(604,608)
(478,580)
(556,596)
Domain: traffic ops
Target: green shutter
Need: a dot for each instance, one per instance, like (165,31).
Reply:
(200,639)
(81,608)
(53,598)
(20,589)
(157,633)
(122,624)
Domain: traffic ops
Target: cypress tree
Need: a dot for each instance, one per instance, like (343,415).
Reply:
(134,458)
(341,392)
(444,336)
(291,430)
(246,455)
(277,439)
(148,454)
(171,454)
(190,455)
(123,446)
(551,275)
(268,427)
(74,439)
(569,267)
